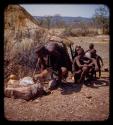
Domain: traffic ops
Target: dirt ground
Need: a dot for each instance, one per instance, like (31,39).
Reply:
(72,102)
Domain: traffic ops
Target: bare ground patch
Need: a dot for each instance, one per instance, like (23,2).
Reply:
(72,102)
(69,103)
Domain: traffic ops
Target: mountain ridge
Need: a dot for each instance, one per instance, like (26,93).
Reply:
(67,19)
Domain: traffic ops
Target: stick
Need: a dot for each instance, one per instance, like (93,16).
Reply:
(35,69)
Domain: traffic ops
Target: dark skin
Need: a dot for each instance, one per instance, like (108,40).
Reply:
(81,67)
(98,63)
(76,70)
(95,59)
(99,60)
(91,47)
(42,57)
(42,64)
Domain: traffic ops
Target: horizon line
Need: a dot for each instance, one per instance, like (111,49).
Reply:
(65,16)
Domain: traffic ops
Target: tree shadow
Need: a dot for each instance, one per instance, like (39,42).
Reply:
(70,87)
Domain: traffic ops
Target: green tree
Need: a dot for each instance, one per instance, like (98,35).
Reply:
(48,20)
(101,18)
(59,22)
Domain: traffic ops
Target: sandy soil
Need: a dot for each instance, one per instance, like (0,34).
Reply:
(71,102)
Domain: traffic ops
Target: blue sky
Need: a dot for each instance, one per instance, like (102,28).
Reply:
(73,10)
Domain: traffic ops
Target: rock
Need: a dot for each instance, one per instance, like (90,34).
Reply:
(12,76)
(12,83)
(106,69)
(25,92)
(89,97)
(37,100)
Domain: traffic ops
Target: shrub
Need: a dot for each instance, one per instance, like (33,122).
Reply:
(19,55)
(79,32)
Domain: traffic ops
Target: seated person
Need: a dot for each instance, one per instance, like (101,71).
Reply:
(97,61)
(81,66)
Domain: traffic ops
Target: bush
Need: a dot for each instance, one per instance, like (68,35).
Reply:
(79,32)
(20,57)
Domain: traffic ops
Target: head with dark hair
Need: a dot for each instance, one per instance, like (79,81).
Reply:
(91,46)
(41,51)
(77,47)
(81,51)
(93,52)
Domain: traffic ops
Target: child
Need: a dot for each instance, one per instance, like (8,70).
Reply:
(98,60)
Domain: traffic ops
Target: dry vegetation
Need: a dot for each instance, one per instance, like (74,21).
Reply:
(70,103)
(21,59)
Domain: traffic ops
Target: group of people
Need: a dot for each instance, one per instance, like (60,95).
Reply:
(53,57)
(86,64)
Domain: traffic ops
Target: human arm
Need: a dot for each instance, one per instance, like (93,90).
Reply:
(77,60)
(101,60)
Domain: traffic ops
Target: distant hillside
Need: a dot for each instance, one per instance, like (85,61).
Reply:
(67,20)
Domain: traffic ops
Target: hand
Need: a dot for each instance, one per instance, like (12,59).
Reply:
(35,77)
(85,65)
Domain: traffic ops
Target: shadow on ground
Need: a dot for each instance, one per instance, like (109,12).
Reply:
(98,83)
(70,87)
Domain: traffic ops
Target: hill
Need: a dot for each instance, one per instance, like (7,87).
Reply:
(67,20)
(22,34)
(20,28)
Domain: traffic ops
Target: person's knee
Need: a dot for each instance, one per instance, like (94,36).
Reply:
(43,74)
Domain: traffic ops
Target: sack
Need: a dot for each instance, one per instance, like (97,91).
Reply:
(24,92)
(26,81)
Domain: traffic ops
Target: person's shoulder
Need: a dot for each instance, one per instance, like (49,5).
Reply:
(98,56)
(77,57)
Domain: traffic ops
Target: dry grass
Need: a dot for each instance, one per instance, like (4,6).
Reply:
(20,56)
